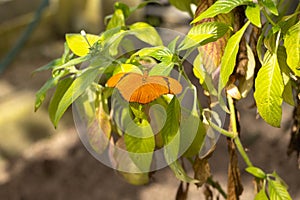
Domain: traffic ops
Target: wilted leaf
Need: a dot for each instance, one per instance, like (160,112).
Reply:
(202,170)
(246,82)
(182,193)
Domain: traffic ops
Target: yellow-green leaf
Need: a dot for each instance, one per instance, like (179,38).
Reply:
(268,90)
(292,45)
(219,7)
(253,14)
(229,57)
(79,44)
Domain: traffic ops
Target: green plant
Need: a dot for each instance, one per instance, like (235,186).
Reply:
(267,61)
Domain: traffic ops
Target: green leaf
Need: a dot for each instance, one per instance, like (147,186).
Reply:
(146,33)
(270,5)
(61,89)
(259,44)
(182,5)
(127,68)
(161,69)
(277,191)
(180,173)
(172,45)
(160,53)
(246,83)
(287,95)
(170,132)
(253,14)
(207,81)
(261,195)
(292,45)
(204,33)
(229,57)
(219,7)
(41,94)
(50,65)
(80,44)
(117,20)
(270,42)
(257,172)
(143,4)
(268,90)
(125,8)
(195,146)
(70,93)
(72,62)
(140,148)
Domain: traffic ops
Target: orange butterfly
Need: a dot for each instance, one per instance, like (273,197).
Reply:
(135,87)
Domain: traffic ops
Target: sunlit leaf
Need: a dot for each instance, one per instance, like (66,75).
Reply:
(261,195)
(160,53)
(219,7)
(229,58)
(270,5)
(278,191)
(80,44)
(161,69)
(117,20)
(257,172)
(146,33)
(253,14)
(268,90)
(204,33)
(127,68)
(292,45)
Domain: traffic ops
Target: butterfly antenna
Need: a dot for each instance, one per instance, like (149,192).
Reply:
(83,33)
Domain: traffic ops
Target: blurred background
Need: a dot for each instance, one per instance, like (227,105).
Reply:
(40,162)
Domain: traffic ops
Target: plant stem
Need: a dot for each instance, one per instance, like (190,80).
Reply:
(268,17)
(217,186)
(235,137)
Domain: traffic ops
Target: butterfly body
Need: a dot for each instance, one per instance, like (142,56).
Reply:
(135,87)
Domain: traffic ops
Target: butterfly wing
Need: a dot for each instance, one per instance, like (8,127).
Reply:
(135,87)
(148,92)
(174,87)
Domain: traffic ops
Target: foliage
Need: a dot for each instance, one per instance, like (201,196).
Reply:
(268,62)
